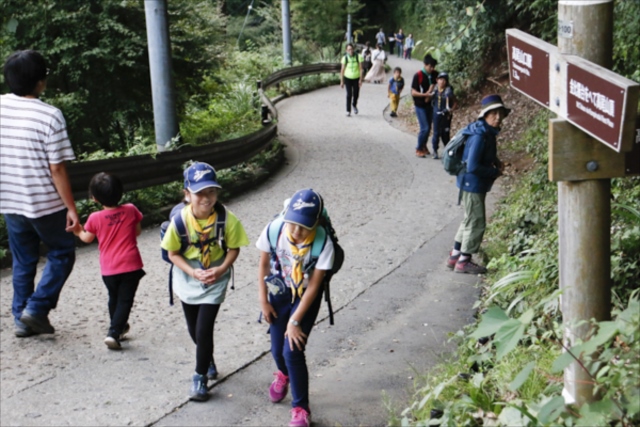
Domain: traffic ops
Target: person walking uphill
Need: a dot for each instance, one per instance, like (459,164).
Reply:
(35,192)
(351,75)
(290,292)
(203,269)
(482,169)
(117,228)
(422,90)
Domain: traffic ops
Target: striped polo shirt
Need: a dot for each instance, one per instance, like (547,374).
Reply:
(33,135)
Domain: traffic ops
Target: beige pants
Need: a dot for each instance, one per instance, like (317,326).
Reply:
(395,100)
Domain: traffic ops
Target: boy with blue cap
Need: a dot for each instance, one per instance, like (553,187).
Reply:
(290,293)
(204,270)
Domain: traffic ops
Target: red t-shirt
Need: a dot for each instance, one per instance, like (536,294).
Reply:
(117,240)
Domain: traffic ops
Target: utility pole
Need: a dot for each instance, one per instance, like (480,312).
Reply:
(349,30)
(584,207)
(286,33)
(162,89)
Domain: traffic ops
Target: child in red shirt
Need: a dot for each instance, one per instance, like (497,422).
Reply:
(117,228)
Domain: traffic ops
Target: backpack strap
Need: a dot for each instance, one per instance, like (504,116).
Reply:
(181,229)
(273,233)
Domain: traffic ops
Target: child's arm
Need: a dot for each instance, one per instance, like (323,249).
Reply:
(138,228)
(197,273)
(268,312)
(295,334)
(84,235)
(212,274)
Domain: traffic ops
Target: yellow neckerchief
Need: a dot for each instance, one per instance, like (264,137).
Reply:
(440,93)
(299,253)
(203,234)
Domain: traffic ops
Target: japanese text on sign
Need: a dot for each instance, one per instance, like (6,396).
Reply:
(598,100)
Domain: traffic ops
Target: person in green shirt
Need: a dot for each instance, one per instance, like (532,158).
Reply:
(351,76)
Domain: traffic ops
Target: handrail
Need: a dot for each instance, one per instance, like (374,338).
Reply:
(147,170)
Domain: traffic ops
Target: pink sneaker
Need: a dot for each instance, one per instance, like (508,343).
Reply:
(279,387)
(300,418)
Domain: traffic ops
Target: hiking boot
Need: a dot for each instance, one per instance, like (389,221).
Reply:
(199,391)
(279,387)
(22,331)
(38,324)
(420,153)
(355,109)
(452,260)
(125,331)
(212,372)
(469,267)
(300,417)
(112,342)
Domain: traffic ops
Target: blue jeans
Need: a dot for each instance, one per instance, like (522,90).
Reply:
(25,235)
(292,362)
(424,115)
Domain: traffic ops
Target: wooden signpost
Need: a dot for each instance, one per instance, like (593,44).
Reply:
(595,138)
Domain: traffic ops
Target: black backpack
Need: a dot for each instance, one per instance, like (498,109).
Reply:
(324,231)
(181,228)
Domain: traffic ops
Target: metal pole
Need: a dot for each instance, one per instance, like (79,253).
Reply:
(162,90)
(349,31)
(584,207)
(286,33)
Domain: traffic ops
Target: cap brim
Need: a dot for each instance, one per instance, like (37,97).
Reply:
(494,107)
(302,221)
(202,185)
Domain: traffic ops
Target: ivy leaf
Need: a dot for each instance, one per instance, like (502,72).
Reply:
(511,416)
(522,376)
(492,320)
(12,25)
(552,410)
(469,11)
(508,336)
(458,44)
(564,360)
(606,331)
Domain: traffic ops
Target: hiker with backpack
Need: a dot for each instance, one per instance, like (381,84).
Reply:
(480,168)
(443,103)
(351,76)
(296,255)
(117,228)
(202,241)
(422,90)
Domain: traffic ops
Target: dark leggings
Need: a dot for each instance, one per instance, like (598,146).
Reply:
(353,90)
(122,290)
(200,321)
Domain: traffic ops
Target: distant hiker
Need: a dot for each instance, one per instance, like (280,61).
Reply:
(482,168)
(396,84)
(203,268)
(117,228)
(377,74)
(351,76)
(400,42)
(290,293)
(381,39)
(35,192)
(443,103)
(422,90)
(366,55)
(409,44)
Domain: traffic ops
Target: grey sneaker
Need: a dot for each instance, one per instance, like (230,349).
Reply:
(212,372)
(199,391)
(355,109)
(22,330)
(469,267)
(39,324)
(125,332)
(348,113)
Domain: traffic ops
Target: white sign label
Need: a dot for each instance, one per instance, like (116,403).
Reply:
(565,29)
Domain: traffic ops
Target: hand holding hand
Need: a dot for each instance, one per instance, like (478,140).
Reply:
(72,221)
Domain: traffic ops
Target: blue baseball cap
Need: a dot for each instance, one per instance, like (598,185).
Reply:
(305,208)
(199,176)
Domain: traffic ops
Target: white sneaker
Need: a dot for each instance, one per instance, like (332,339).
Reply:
(348,113)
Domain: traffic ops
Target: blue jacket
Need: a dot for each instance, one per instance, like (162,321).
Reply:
(480,153)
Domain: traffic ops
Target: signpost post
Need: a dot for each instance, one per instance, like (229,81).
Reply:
(592,142)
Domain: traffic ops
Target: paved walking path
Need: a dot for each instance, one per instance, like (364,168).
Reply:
(394,299)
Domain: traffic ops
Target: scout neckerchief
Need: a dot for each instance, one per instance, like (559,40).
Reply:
(299,253)
(203,234)
(440,94)
(428,75)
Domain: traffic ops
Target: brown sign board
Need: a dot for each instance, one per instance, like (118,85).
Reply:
(632,158)
(529,65)
(596,103)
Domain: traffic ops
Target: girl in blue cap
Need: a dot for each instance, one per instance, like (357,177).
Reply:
(290,293)
(203,269)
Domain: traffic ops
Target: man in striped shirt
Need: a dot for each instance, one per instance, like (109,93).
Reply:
(35,193)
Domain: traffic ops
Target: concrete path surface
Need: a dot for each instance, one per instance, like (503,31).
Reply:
(395,301)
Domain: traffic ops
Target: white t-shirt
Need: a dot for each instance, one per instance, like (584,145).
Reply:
(285,257)
(33,135)
(378,55)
